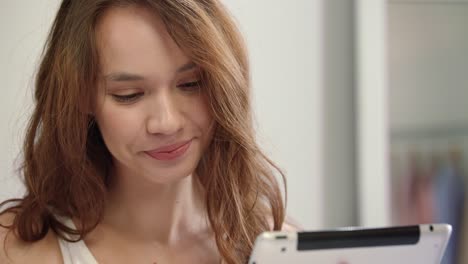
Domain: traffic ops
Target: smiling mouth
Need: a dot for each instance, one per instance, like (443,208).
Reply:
(170,152)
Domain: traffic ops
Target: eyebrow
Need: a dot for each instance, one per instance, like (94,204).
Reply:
(125,76)
(186,67)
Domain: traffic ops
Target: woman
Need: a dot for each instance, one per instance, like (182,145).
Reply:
(141,145)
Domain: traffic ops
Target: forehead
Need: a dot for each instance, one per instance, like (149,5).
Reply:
(135,39)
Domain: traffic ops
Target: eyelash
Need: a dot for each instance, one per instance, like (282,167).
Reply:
(190,85)
(128,98)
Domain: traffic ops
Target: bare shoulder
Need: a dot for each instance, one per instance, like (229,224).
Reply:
(14,250)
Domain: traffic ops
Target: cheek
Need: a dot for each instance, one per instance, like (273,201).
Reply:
(203,116)
(117,126)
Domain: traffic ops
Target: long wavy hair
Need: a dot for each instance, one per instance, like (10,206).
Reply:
(66,163)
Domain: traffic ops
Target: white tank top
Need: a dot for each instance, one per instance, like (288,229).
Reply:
(76,252)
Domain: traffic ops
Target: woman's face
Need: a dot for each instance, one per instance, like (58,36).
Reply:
(151,110)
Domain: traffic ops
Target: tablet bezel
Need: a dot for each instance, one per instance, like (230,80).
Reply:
(276,245)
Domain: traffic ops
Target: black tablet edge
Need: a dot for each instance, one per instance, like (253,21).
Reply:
(377,237)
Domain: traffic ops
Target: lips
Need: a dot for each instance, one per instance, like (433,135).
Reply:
(170,152)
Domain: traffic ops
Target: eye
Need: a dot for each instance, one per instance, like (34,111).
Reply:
(127,98)
(190,85)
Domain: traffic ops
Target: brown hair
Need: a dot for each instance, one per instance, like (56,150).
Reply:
(66,162)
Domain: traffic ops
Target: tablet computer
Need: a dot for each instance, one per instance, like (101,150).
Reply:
(420,244)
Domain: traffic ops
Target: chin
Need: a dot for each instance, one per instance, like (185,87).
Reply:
(168,176)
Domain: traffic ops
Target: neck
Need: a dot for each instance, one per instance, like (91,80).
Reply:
(149,211)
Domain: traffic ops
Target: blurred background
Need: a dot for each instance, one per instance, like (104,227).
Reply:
(428,116)
(362,102)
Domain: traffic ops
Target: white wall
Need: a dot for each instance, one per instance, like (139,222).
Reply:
(23,27)
(284,39)
(285,48)
(371,107)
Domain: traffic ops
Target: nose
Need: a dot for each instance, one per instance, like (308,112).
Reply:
(164,116)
